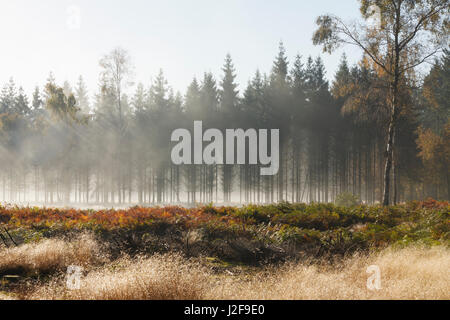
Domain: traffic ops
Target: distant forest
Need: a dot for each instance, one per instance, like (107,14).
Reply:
(63,146)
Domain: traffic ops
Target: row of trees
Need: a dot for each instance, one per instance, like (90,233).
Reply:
(60,147)
(396,36)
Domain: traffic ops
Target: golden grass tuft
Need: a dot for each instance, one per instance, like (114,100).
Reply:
(49,256)
(167,277)
(410,273)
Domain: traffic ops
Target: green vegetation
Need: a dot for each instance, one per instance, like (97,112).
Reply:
(253,234)
(347,199)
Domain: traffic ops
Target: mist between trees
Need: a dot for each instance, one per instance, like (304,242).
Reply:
(62,147)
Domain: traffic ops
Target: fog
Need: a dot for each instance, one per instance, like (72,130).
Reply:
(62,147)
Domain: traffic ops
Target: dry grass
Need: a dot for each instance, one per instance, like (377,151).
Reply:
(157,278)
(5,297)
(49,256)
(410,273)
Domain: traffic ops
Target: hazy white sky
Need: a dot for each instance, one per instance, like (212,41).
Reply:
(184,38)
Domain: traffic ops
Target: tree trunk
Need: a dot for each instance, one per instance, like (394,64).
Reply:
(390,144)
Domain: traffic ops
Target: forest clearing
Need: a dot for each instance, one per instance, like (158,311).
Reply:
(225,150)
(282,251)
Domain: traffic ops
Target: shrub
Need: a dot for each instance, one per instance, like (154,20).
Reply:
(347,199)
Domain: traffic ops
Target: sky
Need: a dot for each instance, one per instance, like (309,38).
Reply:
(184,38)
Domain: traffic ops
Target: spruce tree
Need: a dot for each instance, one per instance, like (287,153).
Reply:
(192,100)
(37,100)
(81,95)
(228,91)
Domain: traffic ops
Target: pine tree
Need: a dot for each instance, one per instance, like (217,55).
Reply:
(139,99)
(8,97)
(228,91)
(192,99)
(280,113)
(158,93)
(67,88)
(209,95)
(319,80)
(81,95)
(342,78)
(298,76)
(22,105)
(253,104)
(51,80)
(280,67)
(37,100)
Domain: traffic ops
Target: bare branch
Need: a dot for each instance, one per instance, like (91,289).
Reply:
(346,31)
(412,66)
(433,11)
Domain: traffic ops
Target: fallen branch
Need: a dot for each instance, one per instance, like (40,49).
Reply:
(4,240)
(6,230)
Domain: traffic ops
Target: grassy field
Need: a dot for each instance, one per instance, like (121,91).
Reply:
(282,251)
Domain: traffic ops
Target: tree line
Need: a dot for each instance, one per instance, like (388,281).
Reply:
(62,146)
